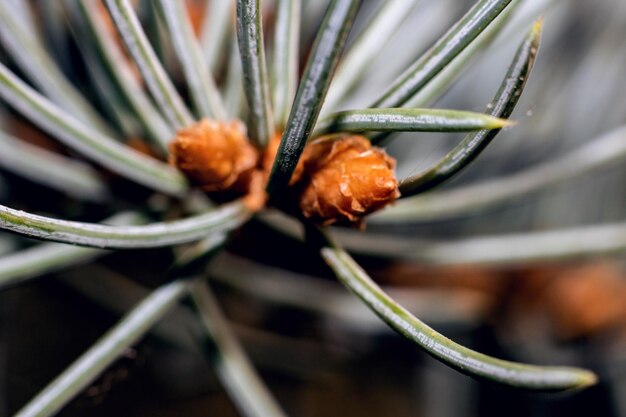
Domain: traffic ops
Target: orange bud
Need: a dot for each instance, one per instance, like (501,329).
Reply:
(345,179)
(215,155)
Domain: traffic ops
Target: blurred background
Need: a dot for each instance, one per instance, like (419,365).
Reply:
(319,350)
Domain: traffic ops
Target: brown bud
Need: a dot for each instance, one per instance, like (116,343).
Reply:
(215,155)
(344,179)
